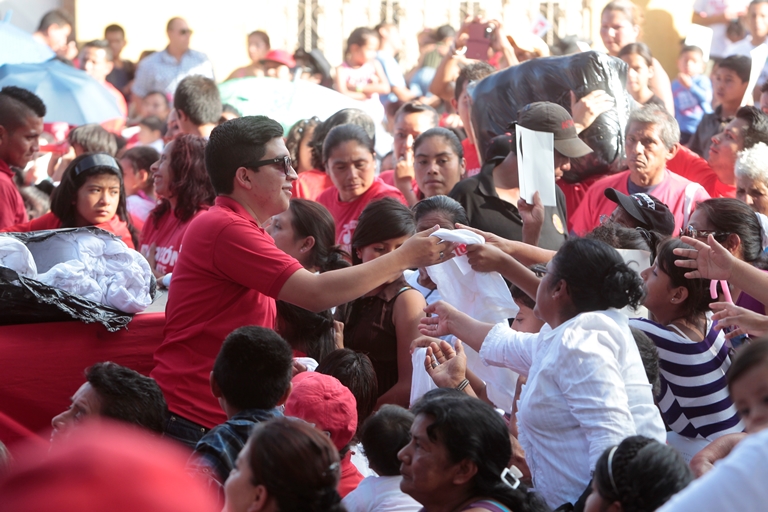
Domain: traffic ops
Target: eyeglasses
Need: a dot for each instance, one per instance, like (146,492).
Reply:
(285,160)
(692,232)
(185,31)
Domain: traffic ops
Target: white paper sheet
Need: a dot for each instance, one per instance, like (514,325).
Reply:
(759,56)
(535,165)
(701,36)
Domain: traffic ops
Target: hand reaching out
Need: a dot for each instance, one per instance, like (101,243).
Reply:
(588,108)
(742,320)
(446,367)
(485,257)
(439,320)
(709,261)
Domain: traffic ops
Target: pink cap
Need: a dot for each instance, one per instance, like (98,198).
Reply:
(282,57)
(328,404)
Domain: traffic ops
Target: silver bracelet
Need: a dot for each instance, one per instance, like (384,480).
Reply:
(463,384)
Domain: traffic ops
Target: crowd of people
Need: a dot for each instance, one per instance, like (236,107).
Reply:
(305,307)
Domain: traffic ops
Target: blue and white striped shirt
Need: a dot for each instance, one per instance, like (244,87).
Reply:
(694,399)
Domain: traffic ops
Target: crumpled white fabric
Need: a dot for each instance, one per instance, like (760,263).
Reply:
(482,295)
(15,255)
(98,268)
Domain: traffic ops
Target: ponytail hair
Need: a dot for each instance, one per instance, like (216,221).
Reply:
(471,429)
(306,331)
(641,474)
(313,219)
(699,297)
(597,276)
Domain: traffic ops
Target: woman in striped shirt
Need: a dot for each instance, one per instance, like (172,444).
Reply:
(693,355)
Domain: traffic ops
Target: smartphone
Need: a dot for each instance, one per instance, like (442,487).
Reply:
(479,41)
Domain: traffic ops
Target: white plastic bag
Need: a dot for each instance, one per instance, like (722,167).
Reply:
(482,295)
(16,256)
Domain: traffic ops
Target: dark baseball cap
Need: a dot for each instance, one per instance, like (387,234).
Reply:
(499,147)
(651,213)
(544,116)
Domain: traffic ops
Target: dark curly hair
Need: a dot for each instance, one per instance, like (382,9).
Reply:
(190,183)
(298,464)
(596,275)
(641,474)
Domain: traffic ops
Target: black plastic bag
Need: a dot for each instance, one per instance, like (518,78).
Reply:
(24,300)
(497,98)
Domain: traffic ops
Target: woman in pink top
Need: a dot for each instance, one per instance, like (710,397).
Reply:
(183,184)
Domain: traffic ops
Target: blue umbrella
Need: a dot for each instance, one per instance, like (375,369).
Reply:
(70,95)
(18,46)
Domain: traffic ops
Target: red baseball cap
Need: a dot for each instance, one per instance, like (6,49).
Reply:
(281,57)
(328,404)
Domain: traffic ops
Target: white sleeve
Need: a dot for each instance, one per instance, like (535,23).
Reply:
(736,482)
(508,348)
(593,386)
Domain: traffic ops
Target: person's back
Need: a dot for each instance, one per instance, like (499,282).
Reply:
(251,378)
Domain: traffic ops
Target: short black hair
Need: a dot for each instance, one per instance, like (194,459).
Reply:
(94,139)
(100,44)
(519,296)
(383,435)
(444,32)
(114,28)
(236,143)
(141,157)
(56,17)
(159,93)
(471,73)
(355,371)
(690,48)
(16,104)
(128,396)
(253,368)
(198,97)
(417,107)
(739,64)
(757,129)
(754,354)
(381,220)
(153,123)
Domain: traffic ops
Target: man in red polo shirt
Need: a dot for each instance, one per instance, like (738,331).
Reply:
(229,272)
(21,123)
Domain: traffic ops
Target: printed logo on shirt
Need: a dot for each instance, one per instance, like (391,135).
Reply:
(558,223)
(347,230)
(165,257)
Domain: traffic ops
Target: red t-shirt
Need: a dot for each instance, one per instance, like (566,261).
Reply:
(350,476)
(574,193)
(166,234)
(470,155)
(228,275)
(12,210)
(345,215)
(51,221)
(679,194)
(311,184)
(691,166)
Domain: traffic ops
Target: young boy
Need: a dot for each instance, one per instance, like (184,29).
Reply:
(251,378)
(151,132)
(730,80)
(692,91)
(383,435)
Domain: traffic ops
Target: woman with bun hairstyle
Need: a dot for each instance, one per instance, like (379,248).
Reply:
(637,475)
(587,389)
(693,354)
(287,465)
(185,191)
(91,193)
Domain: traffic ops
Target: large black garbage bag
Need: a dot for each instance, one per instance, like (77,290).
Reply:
(24,300)
(497,98)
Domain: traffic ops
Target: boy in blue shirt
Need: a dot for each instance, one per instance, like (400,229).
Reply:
(692,91)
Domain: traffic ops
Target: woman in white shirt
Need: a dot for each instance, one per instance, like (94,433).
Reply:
(587,389)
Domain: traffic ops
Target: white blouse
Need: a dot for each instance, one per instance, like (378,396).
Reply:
(587,391)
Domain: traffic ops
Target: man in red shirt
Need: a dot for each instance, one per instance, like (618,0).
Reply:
(652,137)
(96,59)
(229,271)
(21,123)
(716,173)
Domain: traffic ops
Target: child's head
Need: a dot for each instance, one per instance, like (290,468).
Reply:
(362,45)
(326,403)
(441,211)
(691,61)
(730,79)
(306,331)
(438,161)
(383,435)
(253,369)
(383,226)
(92,138)
(150,130)
(757,18)
(355,371)
(640,67)
(525,321)
(748,385)
(91,192)
(473,72)
(258,45)
(156,104)
(136,163)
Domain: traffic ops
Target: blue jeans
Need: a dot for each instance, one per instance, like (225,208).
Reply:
(184,431)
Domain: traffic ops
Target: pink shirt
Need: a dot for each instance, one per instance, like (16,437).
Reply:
(678,193)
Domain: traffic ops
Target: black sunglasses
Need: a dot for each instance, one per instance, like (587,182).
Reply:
(692,232)
(285,160)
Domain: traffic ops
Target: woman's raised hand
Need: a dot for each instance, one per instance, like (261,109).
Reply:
(423,250)
(485,257)
(742,320)
(440,319)
(709,261)
(446,367)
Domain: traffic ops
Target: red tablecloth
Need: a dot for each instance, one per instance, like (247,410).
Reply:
(43,364)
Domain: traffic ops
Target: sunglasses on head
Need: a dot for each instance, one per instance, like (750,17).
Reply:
(698,234)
